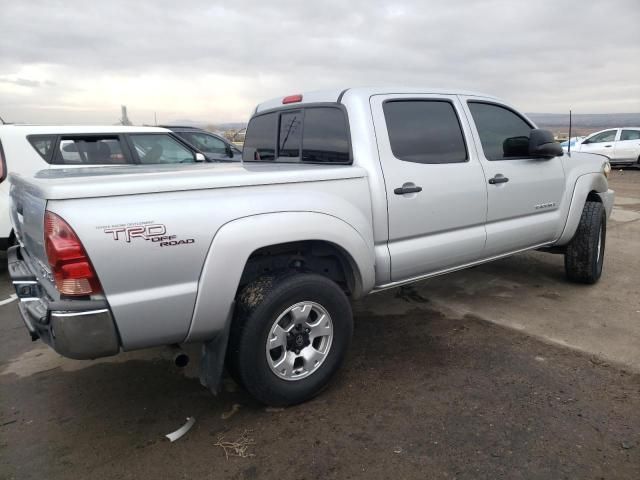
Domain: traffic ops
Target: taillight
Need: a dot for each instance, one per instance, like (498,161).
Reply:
(70,265)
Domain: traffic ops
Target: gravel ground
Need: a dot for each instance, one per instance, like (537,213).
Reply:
(424,393)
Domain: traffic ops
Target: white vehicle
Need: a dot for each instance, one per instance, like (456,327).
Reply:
(619,145)
(27,149)
(572,141)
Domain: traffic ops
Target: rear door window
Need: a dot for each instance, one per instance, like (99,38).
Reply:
(630,135)
(90,150)
(160,148)
(312,134)
(424,131)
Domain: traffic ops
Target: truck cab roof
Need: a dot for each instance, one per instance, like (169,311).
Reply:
(336,95)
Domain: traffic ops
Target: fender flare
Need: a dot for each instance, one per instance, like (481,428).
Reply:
(234,243)
(584,185)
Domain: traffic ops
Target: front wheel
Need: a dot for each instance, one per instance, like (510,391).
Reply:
(290,335)
(584,257)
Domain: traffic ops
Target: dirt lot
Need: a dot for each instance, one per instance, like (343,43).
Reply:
(463,376)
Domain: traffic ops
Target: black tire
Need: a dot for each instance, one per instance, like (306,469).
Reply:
(584,257)
(258,306)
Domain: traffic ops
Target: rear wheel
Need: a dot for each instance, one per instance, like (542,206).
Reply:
(290,335)
(584,257)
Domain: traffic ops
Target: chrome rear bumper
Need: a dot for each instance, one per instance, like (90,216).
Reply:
(80,329)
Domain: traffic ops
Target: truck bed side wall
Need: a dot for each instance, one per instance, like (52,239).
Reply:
(153,300)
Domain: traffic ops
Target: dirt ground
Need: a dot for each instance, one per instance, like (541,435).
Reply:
(438,384)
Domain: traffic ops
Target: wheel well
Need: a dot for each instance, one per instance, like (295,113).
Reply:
(321,257)
(594,197)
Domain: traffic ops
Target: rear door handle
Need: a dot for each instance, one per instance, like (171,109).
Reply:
(498,179)
(409,189)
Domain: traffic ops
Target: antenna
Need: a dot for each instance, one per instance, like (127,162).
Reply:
(569,144)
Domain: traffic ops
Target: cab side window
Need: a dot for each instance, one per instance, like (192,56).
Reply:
(503,133)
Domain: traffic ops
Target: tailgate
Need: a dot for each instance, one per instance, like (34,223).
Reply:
(27,216)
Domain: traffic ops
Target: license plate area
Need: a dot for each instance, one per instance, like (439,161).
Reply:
(27,289)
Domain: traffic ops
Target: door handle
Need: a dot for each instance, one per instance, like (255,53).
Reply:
(402,190)
(607,146)
(498,179)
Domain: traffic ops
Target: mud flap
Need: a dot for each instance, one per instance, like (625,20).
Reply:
(212,360)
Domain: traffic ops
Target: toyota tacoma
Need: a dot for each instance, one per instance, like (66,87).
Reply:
(340,194)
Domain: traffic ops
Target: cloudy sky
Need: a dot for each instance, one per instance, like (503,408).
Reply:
(78,61)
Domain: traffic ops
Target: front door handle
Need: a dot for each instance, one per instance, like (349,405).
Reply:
(498,179)
(607,146)
(407,189)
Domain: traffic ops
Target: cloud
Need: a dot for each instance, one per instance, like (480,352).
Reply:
(21,82)
(214,61)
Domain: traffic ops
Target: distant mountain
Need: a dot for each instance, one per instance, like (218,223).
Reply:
(583,123)
(594,121)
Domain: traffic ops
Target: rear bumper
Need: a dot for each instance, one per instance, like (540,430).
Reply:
(80,329)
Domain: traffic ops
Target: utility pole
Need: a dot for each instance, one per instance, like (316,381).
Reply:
(125,119)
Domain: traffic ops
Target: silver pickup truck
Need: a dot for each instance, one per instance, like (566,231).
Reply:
(340,194)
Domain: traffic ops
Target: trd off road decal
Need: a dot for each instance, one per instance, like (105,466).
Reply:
(156,233)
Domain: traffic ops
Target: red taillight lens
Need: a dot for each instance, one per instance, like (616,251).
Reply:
(70,265)
(292,99)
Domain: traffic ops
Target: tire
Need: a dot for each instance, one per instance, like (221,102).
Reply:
(584,257)
(309,356)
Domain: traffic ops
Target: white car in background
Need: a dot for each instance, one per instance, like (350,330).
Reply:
(620,145)
(572,141)
(27,149)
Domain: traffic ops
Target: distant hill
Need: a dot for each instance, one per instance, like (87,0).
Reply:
(558,123)
(584,123)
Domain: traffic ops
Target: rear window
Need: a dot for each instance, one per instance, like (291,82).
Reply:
(260,141)
(43,144)
(313,134)
(91,150)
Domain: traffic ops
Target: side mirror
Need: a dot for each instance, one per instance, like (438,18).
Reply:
(228,151)
(200,157)
(543,145)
